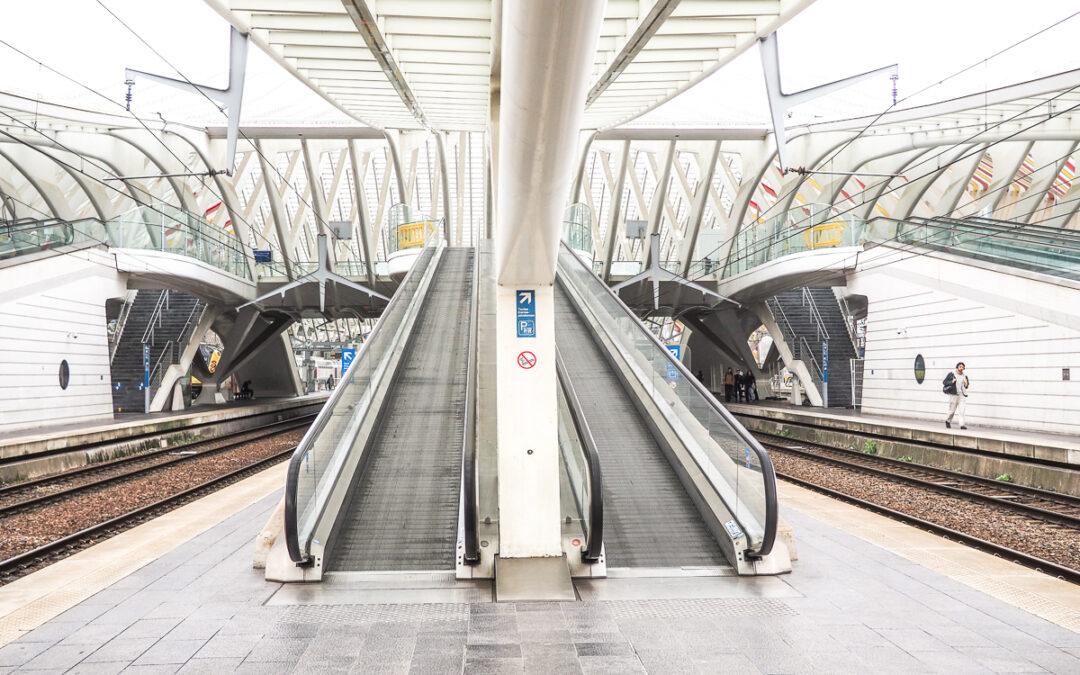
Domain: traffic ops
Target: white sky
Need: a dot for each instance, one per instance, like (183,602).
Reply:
(929,39)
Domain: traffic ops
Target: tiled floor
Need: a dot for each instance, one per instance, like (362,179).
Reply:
(850,606)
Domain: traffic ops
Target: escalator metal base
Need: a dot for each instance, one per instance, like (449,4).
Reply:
(533,580)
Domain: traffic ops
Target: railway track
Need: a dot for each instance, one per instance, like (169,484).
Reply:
(140,483)
(40,491)
(1057,514)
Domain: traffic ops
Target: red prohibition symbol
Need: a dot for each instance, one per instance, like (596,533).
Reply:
(526,360)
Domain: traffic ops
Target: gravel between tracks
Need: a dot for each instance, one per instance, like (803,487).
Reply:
(29,529)
(1002,526)
(62,481)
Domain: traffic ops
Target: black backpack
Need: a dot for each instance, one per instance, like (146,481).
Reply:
(949,383)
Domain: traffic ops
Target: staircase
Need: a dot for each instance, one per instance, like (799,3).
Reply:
(164,320)
(807,317)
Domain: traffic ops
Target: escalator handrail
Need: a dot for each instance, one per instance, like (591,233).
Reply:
(768,472)
(292,476)
(594,542)
(471,555)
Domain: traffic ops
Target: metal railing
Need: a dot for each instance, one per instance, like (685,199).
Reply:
(857,371)
(577,228)
(805,228)
(160,307)
(593,508)
(318,460)
(815,314)
(470,519)
(730,458)
(121,324)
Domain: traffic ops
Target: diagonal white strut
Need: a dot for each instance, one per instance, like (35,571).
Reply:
(321,275)
(655,273)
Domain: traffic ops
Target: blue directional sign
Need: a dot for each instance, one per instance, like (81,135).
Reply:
(263,255)
(347,356)
(672,371)
(146,365)
(526,313)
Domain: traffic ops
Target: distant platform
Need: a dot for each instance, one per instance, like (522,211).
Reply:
(30,453)
(1049,447)
(867,594)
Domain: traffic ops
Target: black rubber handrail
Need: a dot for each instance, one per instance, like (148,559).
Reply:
(292,476)
(594,537)
(471,555)
(768,472)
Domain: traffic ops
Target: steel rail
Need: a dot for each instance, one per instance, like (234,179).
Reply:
(41,500)
(77,540)
(1019,557)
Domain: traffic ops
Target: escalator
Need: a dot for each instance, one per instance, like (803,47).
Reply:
(649,518)
(683,484)
(403,515)
(376,484)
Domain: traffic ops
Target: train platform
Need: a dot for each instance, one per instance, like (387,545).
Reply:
(29,453)
(1058,448)
(867,594)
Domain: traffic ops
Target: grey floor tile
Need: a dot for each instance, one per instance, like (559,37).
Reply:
(278,649)
(228,646)
(1054,660)
(52,631)
(493,651)
(58,657)
(121,649)
(554,665)
(603,649)
(102,668)
(912,639)
(163,669)
(436,664)
(94,634)
(150,628)
(948,661)
(170,651)
(18,653)
(610,664)
(494,666)
(211,666)
(1001,660)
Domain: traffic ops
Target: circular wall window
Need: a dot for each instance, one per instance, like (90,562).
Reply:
(920,368)
(65,375)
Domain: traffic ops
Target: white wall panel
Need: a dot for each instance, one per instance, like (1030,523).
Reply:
(50,311)
(998,324)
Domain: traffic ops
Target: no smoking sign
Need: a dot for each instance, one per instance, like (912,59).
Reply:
(526,360)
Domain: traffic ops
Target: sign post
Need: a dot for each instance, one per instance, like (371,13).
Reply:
(526,313)
(825,373)
(348,355)
(146,377)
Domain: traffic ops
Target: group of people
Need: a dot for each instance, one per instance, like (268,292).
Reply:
(740,386)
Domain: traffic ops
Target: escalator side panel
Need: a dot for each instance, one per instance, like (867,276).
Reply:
(404,513)
(649,519)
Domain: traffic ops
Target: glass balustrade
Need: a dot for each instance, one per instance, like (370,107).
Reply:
(161,227)
(26,236)
(317,462)
(1039,249)
(577,228)
(805,228)
(407,229)
(734,463)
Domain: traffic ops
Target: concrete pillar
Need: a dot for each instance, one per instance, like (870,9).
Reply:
(547,57)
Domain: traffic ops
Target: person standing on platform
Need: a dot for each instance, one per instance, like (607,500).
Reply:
(729,384)
(956,385)
(740,386)
(751,387)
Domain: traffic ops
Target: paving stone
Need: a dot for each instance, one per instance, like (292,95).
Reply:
(18,653)
(150,628)
(493,651)
(103,668)
(170,651)
(163,669)
(58,657)
(436,664)
(494,666)
(94,634)
(277,649)
(52,632)
(228,646)
(553,665)
(121,649)
(1000,660)
(610,664)
(211,666)
(912,639)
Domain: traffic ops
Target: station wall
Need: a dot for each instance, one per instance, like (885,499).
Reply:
(1018,334)
(50,312)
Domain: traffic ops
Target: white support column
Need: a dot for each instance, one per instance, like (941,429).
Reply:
(547,57)
(693,225)
(656,211)
(360,204)
(613,232)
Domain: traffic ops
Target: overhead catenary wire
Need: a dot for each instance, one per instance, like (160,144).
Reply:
(928,87)
(795,230)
